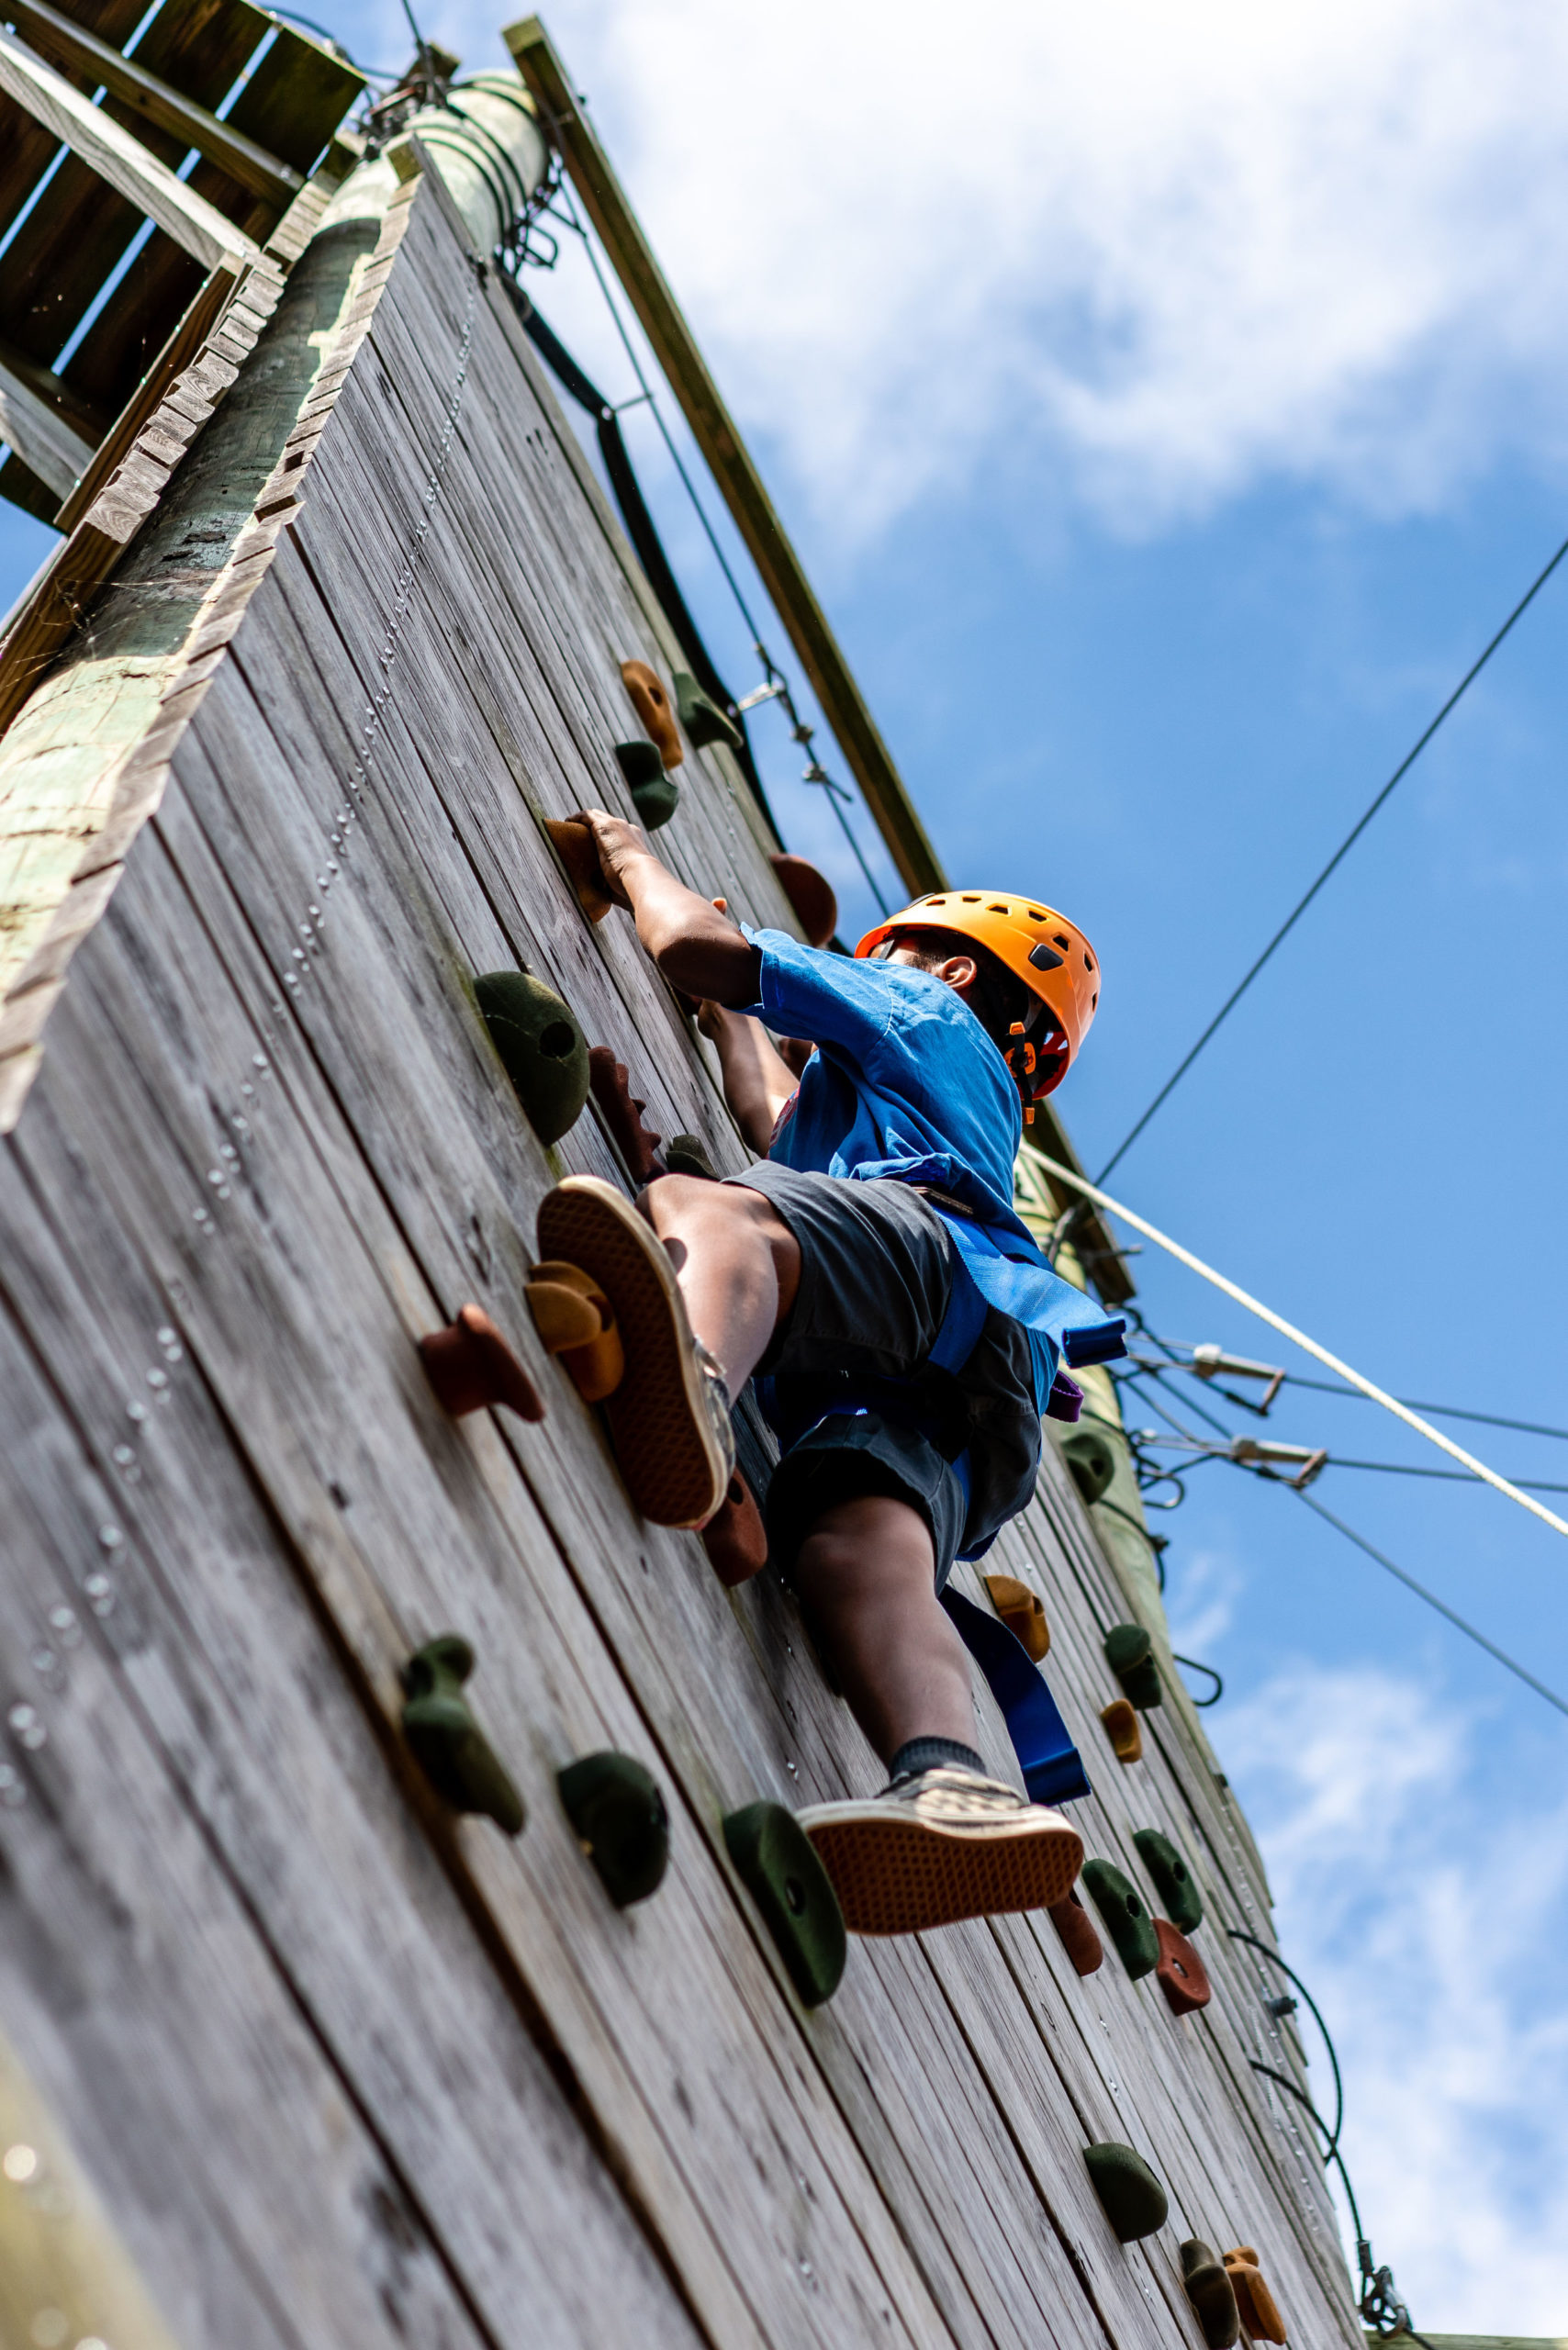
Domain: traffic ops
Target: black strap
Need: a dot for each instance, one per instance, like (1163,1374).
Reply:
(640,527)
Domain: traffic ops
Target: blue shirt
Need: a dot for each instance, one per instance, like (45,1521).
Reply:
(904,1083)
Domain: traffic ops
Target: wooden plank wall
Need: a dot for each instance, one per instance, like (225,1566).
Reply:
(342,2069)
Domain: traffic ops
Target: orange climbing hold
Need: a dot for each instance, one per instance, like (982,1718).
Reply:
(1179,1972)
(574,844)
(1259,2310)
(734,1537)
(1021,1611)
(1122,1729)
(470,1365)
(654,707)
(575,1322)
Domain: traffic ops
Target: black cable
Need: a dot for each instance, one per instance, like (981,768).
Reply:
(1351,837)
(1455,1476)
(1430,1597)
(1440,1410)
(1237,1934)
(1193,1666)
(640,526)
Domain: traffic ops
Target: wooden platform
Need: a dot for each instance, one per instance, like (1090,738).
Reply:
(334,2068)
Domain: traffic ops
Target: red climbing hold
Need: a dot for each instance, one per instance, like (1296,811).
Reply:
(1079,1939)
(734,1537)
(1180,1973)
(470,1365)
(810,894)
(623,1110)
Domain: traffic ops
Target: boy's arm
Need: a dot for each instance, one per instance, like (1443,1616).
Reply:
(698,949)
(757,1082)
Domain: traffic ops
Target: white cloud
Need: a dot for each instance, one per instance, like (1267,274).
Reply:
(1432,1937)
(1165,251)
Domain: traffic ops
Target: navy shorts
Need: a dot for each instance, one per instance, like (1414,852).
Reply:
(877,1269)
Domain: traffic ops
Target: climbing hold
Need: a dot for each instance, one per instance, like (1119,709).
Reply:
(1122,1729)
(1135,2201)
(702,719)
(1211,2294)
(575,845)
(811,896)
(734,1537)
(470,1364)
(542,1049)
(1129,1653)
(656,802)
(576,1323)
(447,1743)
(619,1817)
(1128,1923)
(624,1111)
(640,763)
(1079,1939)
(1172,1878)
(775,1864)
(1181,1973)
(1091,1463)
(1021,1611)
(1258,2310)
(687,1154)
(652,704)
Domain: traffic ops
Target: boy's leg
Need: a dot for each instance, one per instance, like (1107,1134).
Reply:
(737,1262)
(723,1271)
(866,1578)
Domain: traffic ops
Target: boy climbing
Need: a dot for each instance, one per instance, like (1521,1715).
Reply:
(905,1332)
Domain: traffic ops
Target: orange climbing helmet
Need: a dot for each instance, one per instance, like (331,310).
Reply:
(1038,945)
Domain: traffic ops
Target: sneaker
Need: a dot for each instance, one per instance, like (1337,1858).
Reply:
(669,1418)
(943,1844)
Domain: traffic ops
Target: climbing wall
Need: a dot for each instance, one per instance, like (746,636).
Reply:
(332,2065)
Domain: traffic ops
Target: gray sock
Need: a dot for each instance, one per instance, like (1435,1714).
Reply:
(920,1754)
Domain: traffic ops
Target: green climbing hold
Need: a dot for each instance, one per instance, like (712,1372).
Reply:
(783,1875)
(542,1049)
(656,802)
(704,722)
(617,1814)
(447,1743)
(1127,1921)
(688,1155)
(1211,2294)
(1129,1653)
(1135,2201)
(1172,1877)
(1091,1463)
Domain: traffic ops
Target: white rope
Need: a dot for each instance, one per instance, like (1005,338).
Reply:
(1310,1345)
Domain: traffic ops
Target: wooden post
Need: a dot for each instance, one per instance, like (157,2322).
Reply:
(195,224)
(726,454)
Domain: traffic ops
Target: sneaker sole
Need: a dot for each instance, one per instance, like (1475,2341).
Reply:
(903,1876)
(658,1418)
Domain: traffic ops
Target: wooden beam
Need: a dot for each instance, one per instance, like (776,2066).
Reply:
(198,227)
(58,38)
(34,422)
(726,455)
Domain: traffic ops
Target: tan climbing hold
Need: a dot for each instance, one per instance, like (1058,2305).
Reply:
(654,707)
(1259,2310)
(575,1323)
(1123,1730)
(574,844)
(1020,1610)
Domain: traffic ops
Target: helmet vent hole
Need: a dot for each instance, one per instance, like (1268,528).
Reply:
(1094,1000)
(1088,960)
(1060,939)
(995,908)
(1037,913)
(970,898)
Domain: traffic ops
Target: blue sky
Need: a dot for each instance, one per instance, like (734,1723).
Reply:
(1169,412)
